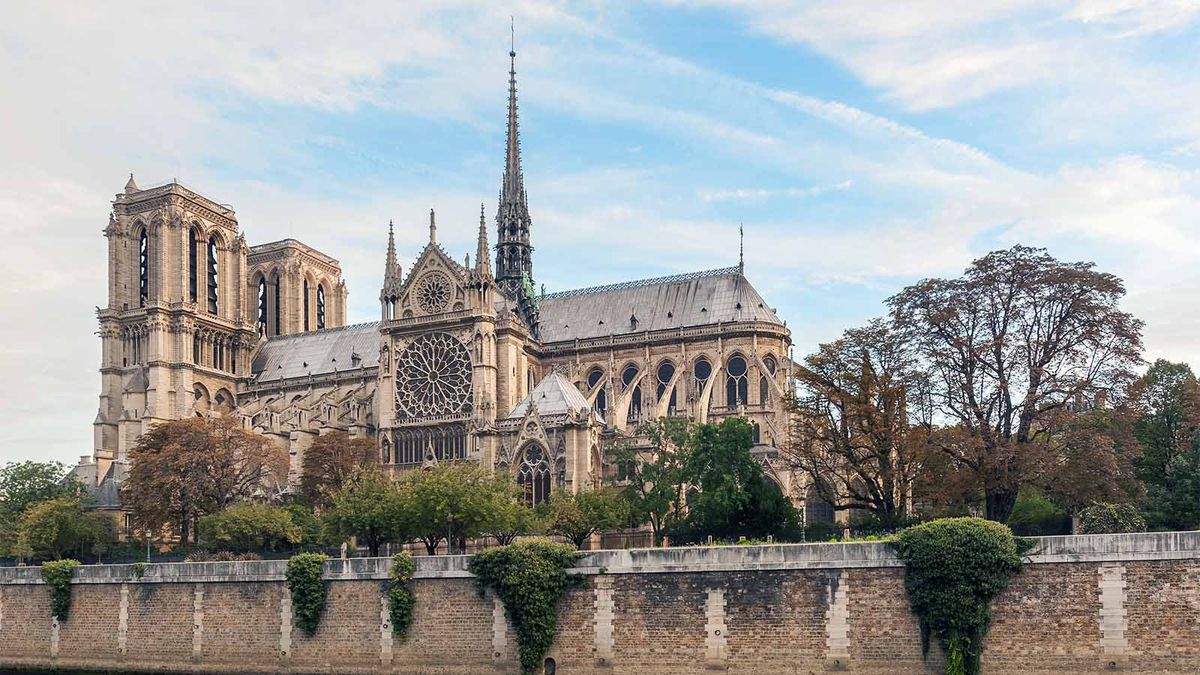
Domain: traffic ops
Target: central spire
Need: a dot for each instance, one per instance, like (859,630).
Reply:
(514,260)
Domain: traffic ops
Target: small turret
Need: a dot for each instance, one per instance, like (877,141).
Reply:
(393,278)
(131,186)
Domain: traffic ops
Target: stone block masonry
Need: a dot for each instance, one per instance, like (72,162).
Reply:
(1083,604)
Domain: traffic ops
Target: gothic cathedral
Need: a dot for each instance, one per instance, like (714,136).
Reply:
(466,362)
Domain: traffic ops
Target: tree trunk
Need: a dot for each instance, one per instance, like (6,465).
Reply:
(431,545)
(1000,504)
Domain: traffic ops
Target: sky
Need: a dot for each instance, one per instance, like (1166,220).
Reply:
(863,145)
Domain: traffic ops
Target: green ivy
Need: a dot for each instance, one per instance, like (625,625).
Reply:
(139,570)
(529,578)
(307,588)
(57,575)
(399,591)
(954,568)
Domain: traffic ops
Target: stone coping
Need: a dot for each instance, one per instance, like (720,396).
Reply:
(1064,549)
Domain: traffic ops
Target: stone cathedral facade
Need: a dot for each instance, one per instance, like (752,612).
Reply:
(466,362)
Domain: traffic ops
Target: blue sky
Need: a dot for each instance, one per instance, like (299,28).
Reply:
(864,145)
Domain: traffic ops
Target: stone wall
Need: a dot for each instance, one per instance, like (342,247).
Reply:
(1084,604)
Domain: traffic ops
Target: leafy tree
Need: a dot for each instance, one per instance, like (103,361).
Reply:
(371,508)
(183,470)
(1173,499)
(578,516)
(1034,515)
(246,527)
(329,462)
(453,502)
(23,484)
(728,495)
(512,518)
(1020,337)
(57,528)
(1166,400)
(312,530)
(861,420)
(653,480)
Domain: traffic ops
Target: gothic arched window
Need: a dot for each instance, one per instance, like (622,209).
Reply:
(433,377)
(276,290)
(628,375)
(143,269)
(771,364)
(816,508)
(193,264)
(764,390)
(635,407)
(320,306)
(701,371)
(212,275)
(736,384)
(666,372)
(593,379)
(262,306)
(306,304)
(534,476)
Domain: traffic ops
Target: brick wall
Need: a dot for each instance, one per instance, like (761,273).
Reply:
(1082,605)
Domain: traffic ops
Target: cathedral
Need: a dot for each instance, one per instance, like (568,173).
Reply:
(466,362)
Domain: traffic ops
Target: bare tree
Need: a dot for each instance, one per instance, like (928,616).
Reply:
(860,420)
(1018,338)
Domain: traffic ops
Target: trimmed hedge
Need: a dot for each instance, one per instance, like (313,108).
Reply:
(399,592)
(530,578)
(308,589)
(954,568)
(57,575)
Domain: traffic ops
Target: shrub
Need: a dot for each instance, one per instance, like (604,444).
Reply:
(1034,515)
(220,556)
(57,575)
(308,589)
(1105,518)
(529,578)
(59,528)
(399,590)
(250,527)
(954,567)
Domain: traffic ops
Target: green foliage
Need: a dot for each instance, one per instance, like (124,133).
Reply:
(511,519)
(307,589)
(728,495)
(1034,515)
(954,568)
(26,484)
(1105,518)
(220,556)
(878,524)
(250,527)
(57,575)
(653,480)
(1173,498)
(399,592)
(312,530)
(453,502)
(530,578)
(61,527)
(578,516)
(371,508)
(139,570)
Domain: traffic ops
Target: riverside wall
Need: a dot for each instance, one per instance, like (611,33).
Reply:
(1082,604)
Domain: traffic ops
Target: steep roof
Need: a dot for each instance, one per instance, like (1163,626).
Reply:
(554,395)
(317,352)
(695,299)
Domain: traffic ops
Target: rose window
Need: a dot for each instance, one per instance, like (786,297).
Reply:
(433,292)
(433,377)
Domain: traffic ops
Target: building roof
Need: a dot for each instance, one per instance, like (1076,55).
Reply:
(317,352)
(695,299)
(554,395)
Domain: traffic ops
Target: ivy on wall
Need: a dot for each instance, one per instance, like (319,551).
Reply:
(399,592)
(307,589)
(954,568)
(529,578)
(57,575)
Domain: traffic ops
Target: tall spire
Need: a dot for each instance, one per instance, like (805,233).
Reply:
(514,259)
(393,279)
(432,228)
(390,263)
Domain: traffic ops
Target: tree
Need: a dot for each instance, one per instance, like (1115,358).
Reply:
(861,420)
(58,528)
(247,527)
(510,519)
(329,462)
(371,508)
(183,470)
(578,516)
(1018,338)
(727,493)
(453,502)
(653,481)
(1166,402)
(24,484)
